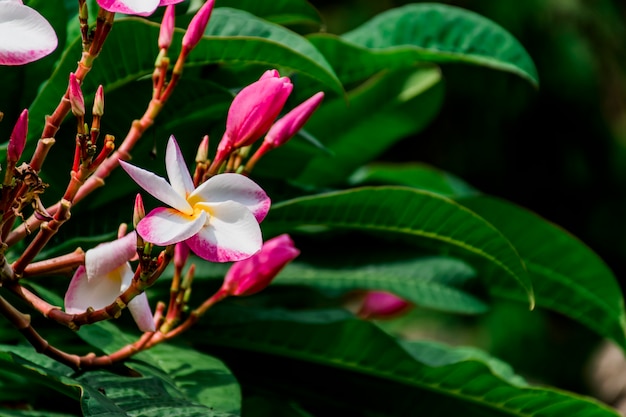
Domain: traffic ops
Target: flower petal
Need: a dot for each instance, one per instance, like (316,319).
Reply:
(177,171)
(138,7)
(157,187)
(232,233)
(96,293)
(140,310)
(233,187)
(164,226)
(109,256)
(25,35)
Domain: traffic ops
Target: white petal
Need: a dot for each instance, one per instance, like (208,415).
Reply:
(231,234)
(177,171)
(97,293)
(140,310)
(138,7)
(25,36)
(163,226)
(157,187)
(108,256)
(233,187)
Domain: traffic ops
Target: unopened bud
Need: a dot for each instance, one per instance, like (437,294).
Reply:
(181,253)
(76,97)
(167,28)
(253,274)
(17,140)
(203,150)
(288,125)
(139,212)
(98,102)
(197,26)
(381,305)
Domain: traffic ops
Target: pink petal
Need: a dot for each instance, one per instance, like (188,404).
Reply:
(164,226)
(109,256)
(382,304)
(157,187)
(231,234)
(138,7)
(177,171)
(97,293)
(25,36)
(168,2)
(140,310)
(233,187)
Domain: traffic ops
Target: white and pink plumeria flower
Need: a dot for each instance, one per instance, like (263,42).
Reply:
(25,35)
(104,277)
(136,7)
(219,220)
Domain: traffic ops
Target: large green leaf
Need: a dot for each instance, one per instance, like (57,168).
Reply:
(414,216)
(567,276)
(429,282)
(373,374)
(425,33)
(376,115)
(282,12)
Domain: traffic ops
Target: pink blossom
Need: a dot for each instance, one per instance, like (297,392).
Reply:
(25,35)
(253,111)
(255,273)
(105,276)
(219,220)
(382,304)
(137,7)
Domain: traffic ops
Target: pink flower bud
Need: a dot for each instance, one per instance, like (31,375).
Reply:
(181,253)
(98,102)
(76,97)
(255,108)
(17,140)
(251,275)
(288,125)
(139,212)
(203,150)
(167,28)
(382,304)
(197,26)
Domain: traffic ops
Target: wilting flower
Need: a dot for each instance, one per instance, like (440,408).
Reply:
(138,7)
(25,36)
(253,111)
(382,304)
(255,273)
(104,277)
(219,220)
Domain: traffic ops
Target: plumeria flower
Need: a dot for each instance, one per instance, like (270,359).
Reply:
(25,36)
(219,220)
(137,7)
(104,277)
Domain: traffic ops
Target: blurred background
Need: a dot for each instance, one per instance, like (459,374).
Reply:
(559,151)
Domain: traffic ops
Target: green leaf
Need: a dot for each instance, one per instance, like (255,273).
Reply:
(425,32)
(412,174)
(198,381)
(281,12)
(415,216)
(374,374)
(376,115)
(429,282)
(567,276)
